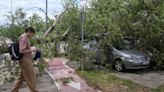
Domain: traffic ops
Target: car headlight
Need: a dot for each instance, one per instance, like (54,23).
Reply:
(127,59)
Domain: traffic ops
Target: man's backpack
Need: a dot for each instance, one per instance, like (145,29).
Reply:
(13,50)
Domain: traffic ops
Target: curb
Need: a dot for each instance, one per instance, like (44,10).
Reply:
(64,63)
(54,80)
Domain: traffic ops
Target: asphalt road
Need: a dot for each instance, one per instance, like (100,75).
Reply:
(147,78)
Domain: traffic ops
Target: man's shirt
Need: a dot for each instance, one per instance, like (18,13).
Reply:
(24,44)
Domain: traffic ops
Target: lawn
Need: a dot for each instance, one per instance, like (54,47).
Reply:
(159,89)
(106,82)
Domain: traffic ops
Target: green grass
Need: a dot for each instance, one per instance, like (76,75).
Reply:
(159,89)
(108,83)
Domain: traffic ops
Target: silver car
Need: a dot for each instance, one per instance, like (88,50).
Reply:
(125,57)
(129,59)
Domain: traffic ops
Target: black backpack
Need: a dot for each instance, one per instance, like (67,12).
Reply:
(13,50)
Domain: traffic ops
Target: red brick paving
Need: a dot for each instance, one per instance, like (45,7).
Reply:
(58,69)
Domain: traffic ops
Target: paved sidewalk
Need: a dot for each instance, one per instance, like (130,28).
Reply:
(58,70)
(44,84)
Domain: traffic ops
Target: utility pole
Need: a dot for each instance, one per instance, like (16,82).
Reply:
(46,14)
(82,25)
(82,16)
(12,16)
(82,32)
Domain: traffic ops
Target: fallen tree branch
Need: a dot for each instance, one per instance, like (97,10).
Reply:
(51,28)
(63,37)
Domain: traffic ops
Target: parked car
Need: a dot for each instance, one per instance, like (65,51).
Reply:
(129,59)
(124,57)
(91,47)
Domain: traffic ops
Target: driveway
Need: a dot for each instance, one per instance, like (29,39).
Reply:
(147,78)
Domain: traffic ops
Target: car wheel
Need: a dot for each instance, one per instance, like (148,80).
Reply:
(119,66)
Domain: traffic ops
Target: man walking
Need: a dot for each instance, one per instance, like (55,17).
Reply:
(27,73)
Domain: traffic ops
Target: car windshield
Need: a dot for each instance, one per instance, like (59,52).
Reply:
(125,45)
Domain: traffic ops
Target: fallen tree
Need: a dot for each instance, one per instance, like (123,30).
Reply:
(51,28)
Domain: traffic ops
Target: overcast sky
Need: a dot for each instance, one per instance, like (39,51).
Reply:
(54,7)
(5,7)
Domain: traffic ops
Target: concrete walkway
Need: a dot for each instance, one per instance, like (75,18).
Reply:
(59,72)
(44,84)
